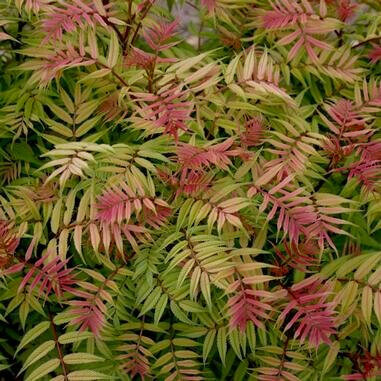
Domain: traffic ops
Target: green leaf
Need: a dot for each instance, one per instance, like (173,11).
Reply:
(183,213)
(331,356)
(235,343)
(23,312)
(113,52)
(160,308)
(55,218)
(81,358)
(32,334)
(96,74)
(23,151)
(151,301)
(41,351)
(60,113)
(222,343)
(179,313)
(74,337)
(191,306)
(43,370)
(205,288)
(86,126)
(241,372)
(208,344)
(87,375)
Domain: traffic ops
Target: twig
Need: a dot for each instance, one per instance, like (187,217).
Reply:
(116,75)
(366,41)
(199,35)
(113,26)
(191,5)
(58,346)
(140,23)
(130,19)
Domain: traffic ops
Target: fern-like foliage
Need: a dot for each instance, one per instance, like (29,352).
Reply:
(190,190)
(51,276)
(312,315)
(305,21)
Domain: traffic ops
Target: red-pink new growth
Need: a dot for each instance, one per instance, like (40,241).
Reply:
(302,18)
(346,10)
(8,242)
(375,54)
(349,122)
(147,61)
(192,157)
(53,64)
(209,4)
(308,311)
(70,17)
(88,316)
(194,162)
(157,37)
(118,204)
(299,256)
(168,110)
(247,306)
(49,275)
(254,132)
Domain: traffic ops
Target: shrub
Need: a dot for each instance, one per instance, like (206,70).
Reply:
(189,200)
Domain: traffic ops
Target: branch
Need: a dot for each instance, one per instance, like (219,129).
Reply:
(130,20)
(113,26)
(58,346)
(283,360)
(116,75)
(366,41)
(140,23)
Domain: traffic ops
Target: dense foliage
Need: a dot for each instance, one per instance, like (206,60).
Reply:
(190,198)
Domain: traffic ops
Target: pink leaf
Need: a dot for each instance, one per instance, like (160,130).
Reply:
(209,4)
(309,312)
(375,54)
(157,37)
